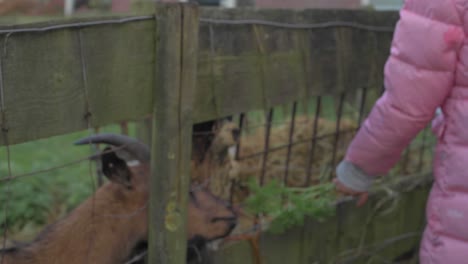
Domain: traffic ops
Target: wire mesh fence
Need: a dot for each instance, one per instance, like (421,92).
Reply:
(48,178)
(298,145)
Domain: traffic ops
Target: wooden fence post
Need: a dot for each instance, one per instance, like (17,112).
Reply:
(176,58)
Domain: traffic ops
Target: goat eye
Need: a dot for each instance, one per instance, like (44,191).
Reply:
(192,195)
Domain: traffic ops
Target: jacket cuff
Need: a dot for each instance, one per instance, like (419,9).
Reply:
(353,177)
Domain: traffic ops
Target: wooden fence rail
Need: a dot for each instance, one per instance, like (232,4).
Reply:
(257,65)
(181,67)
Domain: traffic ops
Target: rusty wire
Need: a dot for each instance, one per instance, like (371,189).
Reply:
(277,148)
(318,109)
(329,24)
(68,164)
(290,141)
(314,138)
(337,126)
(96,149)
(273,123)
(76,25)
(87,116)
(266,146)
(241,126)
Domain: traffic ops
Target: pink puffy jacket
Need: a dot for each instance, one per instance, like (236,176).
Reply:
(427,69)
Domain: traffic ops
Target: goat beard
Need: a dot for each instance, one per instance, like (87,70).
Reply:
(195,248)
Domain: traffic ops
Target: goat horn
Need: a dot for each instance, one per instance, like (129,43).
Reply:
(133,146)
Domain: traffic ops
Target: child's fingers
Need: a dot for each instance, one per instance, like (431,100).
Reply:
(341,188)
(362,196)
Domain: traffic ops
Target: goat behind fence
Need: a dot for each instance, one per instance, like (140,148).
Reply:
(107,227)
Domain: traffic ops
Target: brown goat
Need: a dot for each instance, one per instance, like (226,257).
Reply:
(111,224)
(216,168)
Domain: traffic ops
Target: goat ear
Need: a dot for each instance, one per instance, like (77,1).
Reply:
(217,125)
(115,168)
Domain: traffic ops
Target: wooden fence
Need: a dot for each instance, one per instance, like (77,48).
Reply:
(181,65)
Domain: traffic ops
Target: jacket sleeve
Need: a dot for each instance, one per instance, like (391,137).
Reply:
(418,77)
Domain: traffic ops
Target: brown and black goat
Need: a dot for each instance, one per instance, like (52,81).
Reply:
(215,166)
(110,225)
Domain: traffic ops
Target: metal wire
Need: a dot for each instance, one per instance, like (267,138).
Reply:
(236,156)
(241,126)
(273,123)
(212,71)
(318,109)
(290,141)
(100,175)
(77,25)
(88,115)
(331,24)
(337,127)
(277,148)
(71,163)
(266,146)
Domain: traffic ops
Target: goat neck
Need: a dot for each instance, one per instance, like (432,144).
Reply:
(101,230)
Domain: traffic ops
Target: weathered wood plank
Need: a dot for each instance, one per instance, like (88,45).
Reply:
(44,90)
(297,63)
(234,253)
(172,131)
(119,78)
(240,68)
(288,248)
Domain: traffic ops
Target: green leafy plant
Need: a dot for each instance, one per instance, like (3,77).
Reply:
(288,207)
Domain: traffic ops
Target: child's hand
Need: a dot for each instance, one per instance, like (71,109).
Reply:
(362,196)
